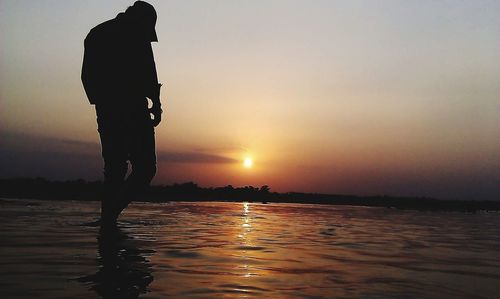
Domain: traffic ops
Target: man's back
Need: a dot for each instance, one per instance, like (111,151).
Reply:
(118,63)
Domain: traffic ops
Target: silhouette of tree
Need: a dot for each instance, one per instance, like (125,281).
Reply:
(40,188)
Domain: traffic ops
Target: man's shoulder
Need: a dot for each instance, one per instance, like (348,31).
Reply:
(102,31)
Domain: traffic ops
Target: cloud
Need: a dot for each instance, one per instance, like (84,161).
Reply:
(50,164)
(13,141)
(78,143)
(193,157)
(32,145)
(65,158)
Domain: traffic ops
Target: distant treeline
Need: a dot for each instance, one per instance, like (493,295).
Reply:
(39,188)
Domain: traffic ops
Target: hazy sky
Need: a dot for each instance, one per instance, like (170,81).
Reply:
(361,97)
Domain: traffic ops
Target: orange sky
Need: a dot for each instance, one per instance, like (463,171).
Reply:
(328,96)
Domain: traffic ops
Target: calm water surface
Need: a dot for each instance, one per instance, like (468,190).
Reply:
(246,250)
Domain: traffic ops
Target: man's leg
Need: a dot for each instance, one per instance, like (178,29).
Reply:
(143,160)
(114,153)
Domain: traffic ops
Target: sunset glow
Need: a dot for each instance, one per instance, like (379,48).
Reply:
(315,88)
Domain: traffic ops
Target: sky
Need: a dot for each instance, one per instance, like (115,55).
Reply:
(351,97)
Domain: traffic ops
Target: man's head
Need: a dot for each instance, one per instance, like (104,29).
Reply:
(143,16)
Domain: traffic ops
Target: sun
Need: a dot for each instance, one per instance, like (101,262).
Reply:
(248,162)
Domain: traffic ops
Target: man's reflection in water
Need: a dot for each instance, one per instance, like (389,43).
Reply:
(124,268)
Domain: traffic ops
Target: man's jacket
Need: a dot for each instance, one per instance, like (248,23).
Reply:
(118,64)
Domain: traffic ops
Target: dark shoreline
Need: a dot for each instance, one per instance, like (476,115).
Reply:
(39,188)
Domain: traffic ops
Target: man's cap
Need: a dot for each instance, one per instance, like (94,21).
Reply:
(146,12)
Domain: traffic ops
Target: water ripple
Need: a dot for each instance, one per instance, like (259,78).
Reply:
(246,250)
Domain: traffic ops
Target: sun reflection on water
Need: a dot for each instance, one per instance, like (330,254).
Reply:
(245,241)
(246,209)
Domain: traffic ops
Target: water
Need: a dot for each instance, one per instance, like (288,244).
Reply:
(246,250)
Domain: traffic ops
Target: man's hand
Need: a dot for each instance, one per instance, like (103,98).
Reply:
(156,111)
(156,108)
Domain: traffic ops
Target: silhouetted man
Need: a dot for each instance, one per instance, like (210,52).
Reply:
(119,74)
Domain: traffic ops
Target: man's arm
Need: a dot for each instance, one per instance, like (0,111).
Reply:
(89,71)
(156,108)
(153,87)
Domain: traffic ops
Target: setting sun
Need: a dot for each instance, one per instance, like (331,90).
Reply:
(247,162)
